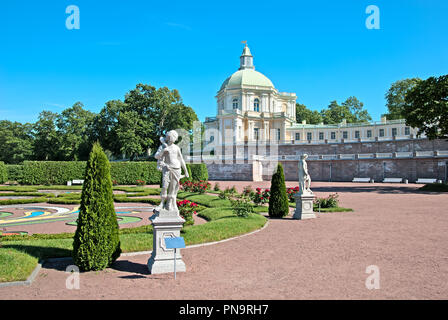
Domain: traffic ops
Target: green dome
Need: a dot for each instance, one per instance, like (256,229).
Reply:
(247,77)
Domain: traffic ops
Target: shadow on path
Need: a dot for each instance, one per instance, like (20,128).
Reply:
(131,267)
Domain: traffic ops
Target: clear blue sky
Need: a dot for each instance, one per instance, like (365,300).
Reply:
(321,50)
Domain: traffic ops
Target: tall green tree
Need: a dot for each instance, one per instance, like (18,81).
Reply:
(278,200)
(46,137)
(73,127)
(335,113)
(16,142)
(128,131)
(105,125)
(310,116)
(352,110)
(161,107)
(134,125)
(396,96)
(96,244)
(356,107)
(426,107)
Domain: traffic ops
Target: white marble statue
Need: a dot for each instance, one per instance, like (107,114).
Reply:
(170,162)
(304,176)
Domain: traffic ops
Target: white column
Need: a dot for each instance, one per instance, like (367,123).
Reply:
(266,130)
(221,131)
(264,102)
(250,106)
(235,130)
(251,131)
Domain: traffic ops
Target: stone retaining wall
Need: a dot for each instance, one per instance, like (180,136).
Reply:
(330,168)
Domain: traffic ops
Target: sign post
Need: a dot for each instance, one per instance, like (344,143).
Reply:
(175,243)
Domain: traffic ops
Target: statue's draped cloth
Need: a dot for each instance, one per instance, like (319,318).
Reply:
(171,175)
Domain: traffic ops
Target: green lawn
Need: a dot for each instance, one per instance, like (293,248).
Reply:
(20,254)
(131,195)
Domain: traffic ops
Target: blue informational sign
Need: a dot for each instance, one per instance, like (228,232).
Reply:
(174,243)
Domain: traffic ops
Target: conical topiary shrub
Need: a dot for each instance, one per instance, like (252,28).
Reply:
(278,201)
(96,244)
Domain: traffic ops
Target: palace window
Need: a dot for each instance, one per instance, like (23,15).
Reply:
(344,134)
(357,134)
(394,132)
(257,105)
(309,136)
(369,133)
(407,131)
(297,135)
(381,132)
(235,103)
(321,136)
(212,138)
(333,135)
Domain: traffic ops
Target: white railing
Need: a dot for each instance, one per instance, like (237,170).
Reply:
(366,156)
(384,155)
(403,154)
(342,156)
(346,156)
(442,153)
(424,153)
(329,156)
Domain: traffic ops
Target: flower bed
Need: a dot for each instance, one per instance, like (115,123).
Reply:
(187,210)
(261,197)
(290,192)
(201,186)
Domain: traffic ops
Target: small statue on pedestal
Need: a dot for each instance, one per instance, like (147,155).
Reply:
(166,220)
(304,176)
(170,161)
(305,197)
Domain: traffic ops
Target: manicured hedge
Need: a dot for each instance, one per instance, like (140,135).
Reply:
(52,172)
(129,172)
(59,172)
(3,172)
(199,172)
(14,172)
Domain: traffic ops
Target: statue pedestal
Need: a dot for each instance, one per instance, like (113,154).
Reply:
(304,206)
(166,224)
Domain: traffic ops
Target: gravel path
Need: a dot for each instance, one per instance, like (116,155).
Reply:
(403,232)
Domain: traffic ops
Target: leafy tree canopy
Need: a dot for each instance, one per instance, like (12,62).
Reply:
(396,95)
(16,142)
(352,110)
(303,113)
(46,138)
(426,107)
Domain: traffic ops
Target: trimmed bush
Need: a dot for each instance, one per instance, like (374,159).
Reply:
(96,243)
(59,172)
(278,201)
(128,172)
(22,201)
(14,172)
(3,172)
(51,172)
(198,172)
(330,202)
